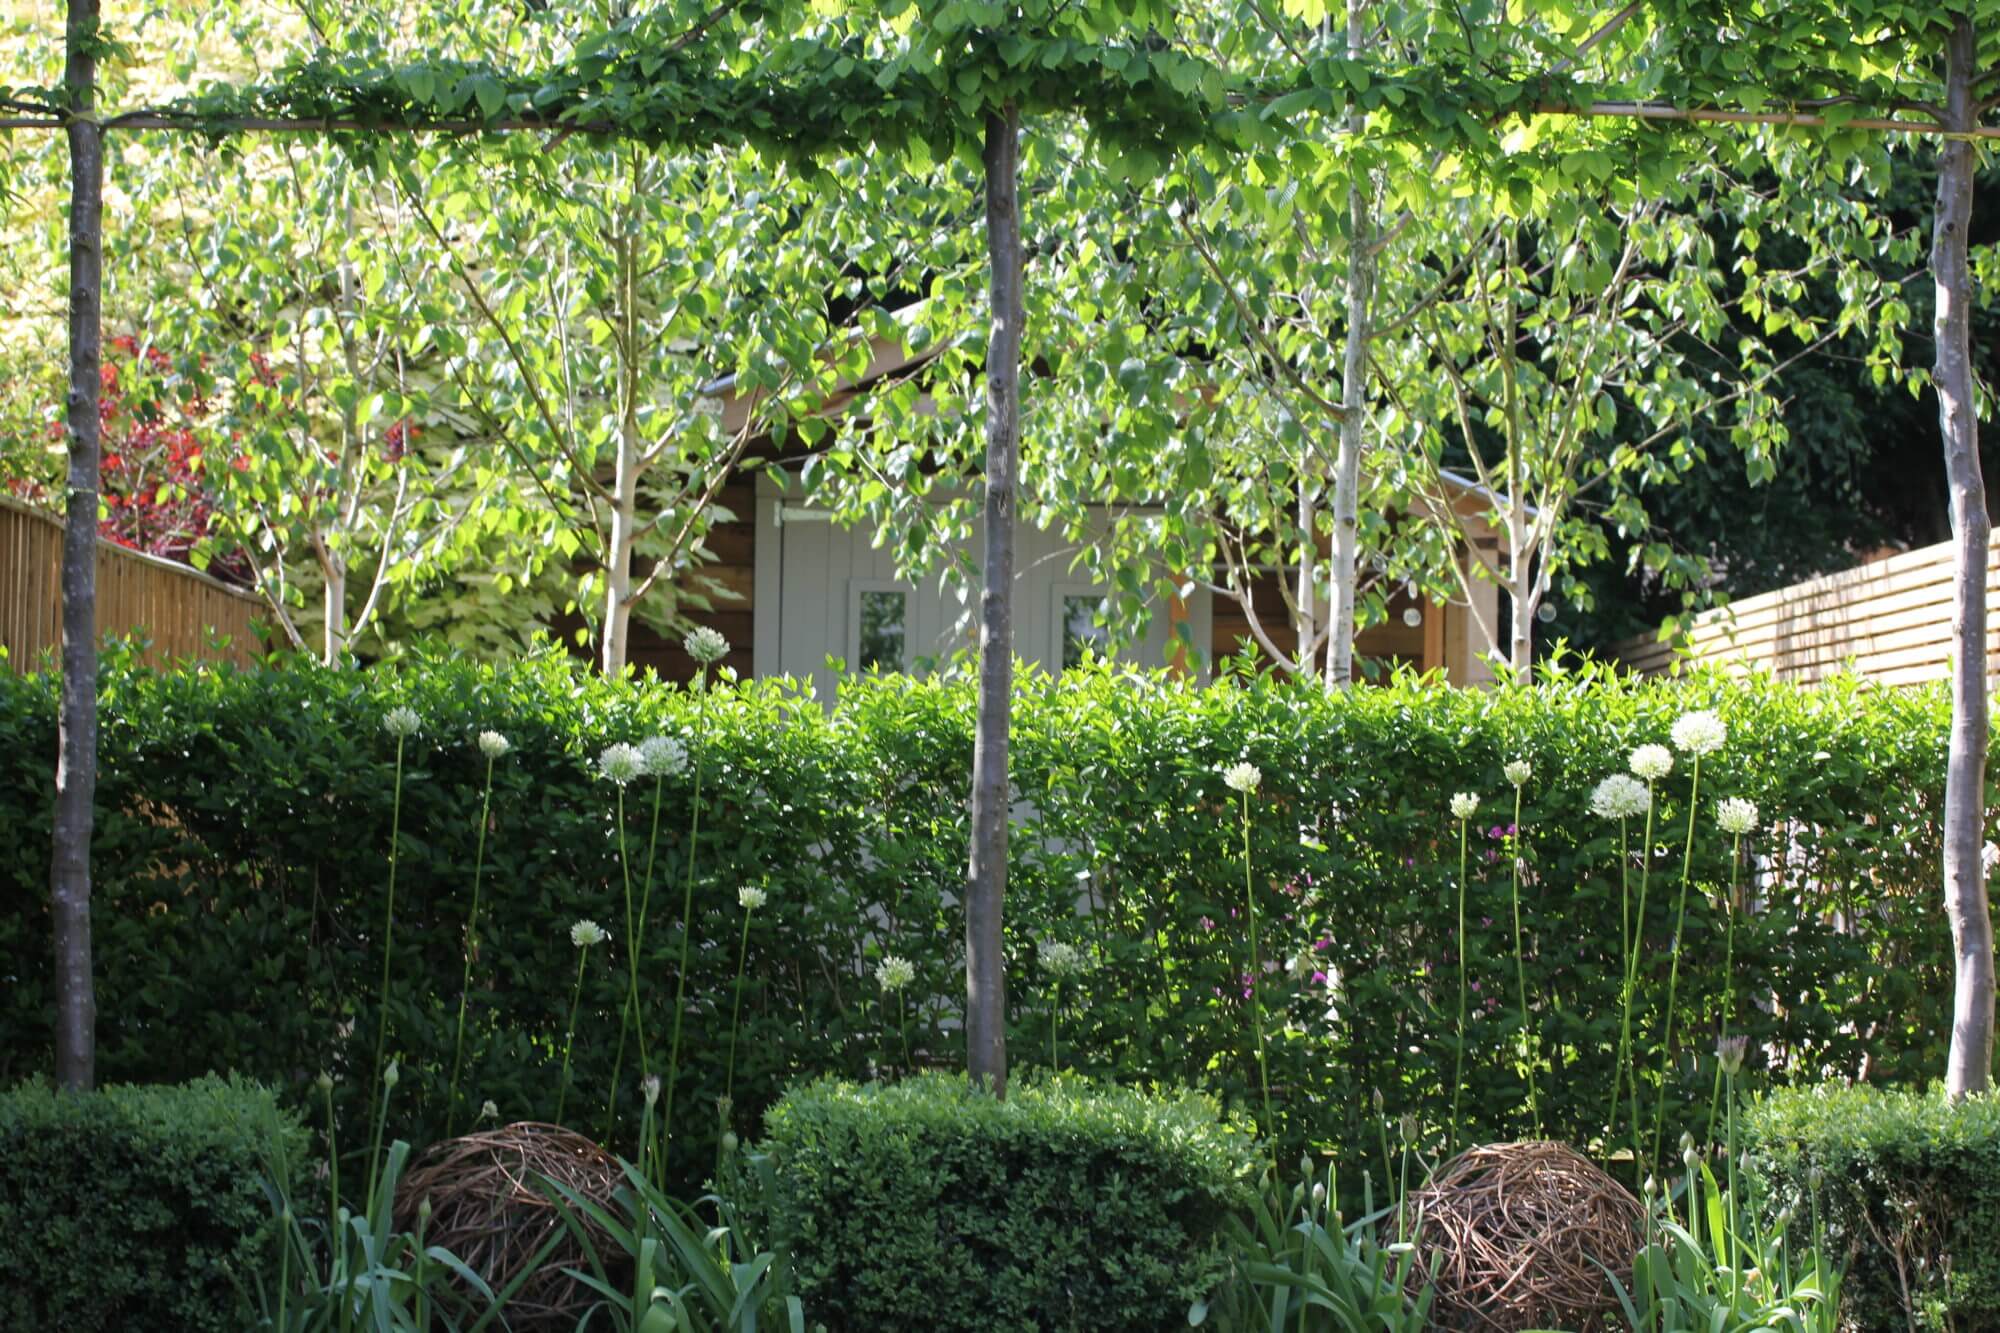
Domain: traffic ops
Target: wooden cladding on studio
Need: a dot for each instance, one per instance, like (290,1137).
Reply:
(184,615)
(732,572)
(1889,621)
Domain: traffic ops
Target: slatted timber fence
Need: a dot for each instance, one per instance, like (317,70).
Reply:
(1888,621)
(184,614)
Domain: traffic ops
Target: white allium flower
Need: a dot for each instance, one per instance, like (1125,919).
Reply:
(649,1088)
(1620,797)
(751,897)
(493,745)
(586,933)
(1243,777)
(1652,762)
(488,1111)
(1699,732)
(401,722)
(1465,804)
(663,756)
(706,645)
(1736,815)
(1061,960)
(1518,772)
(1729,1053)
(895,973)
(1989,857)
(620,763)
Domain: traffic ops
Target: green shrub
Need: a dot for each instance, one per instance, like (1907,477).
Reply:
(1908,1188)
(243,830)
(928,1205)
(135,1208)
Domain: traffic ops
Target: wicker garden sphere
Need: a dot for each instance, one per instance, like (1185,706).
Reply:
(488,1209)
(1518,1232)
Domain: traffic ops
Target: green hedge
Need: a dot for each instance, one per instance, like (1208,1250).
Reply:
(243,827)
(1908,1188)
(927,1205)
(135,1207)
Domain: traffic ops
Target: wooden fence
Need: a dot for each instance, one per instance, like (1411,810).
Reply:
(183,613)
(1889,621)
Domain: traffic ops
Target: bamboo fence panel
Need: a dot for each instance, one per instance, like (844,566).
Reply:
(184,615)
(1888,621)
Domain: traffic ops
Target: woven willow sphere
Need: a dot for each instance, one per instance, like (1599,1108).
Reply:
(1518,1232)
(488,1209)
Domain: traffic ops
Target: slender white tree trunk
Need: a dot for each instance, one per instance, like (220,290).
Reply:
(1970,1066)
(1305,599)
(625,478)
(986,874)
(1353,395)
(1521,597)
(333,639)
(76,758)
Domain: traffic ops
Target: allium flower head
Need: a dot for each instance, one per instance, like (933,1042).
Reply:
(324,1081)
(1620,797)
(401,722)
(1729,1053)
(1736,815)
(493,745)
(620,763)
(649,1088)
(1989,857)
(586,933)
(1465,804)
(488,1111)
(751,897)
(1518,772)
(663,756)
(391,1075)
(1243,777)
(1652,762)
(1062,960)
(1699,732)
(895,973)
(706,645)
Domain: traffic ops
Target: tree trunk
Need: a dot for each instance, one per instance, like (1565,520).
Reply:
(1970,1066)
(76,759)
(625,482)
(1353,389)
(986,876)
(1305,600)
(333,641)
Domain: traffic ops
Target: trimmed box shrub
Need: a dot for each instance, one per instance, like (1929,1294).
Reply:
(136,1207)
(928,1205)
(1907,1185)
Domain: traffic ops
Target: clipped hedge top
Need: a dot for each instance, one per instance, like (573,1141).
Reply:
(1067,1112)
(232,1115)
(1828,1121)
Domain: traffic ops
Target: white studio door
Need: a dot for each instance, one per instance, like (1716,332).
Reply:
(824,590)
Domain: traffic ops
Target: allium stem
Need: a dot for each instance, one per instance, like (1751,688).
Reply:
(736,1009)
(1529,1046)
(1618,1079)
(388,939)
(1632,984)
(569,1033)
(635,945)
(471,947)
(332,1158)
(1674,967)
(1055,1022)
(1458,1074)
(1256,973)
(687,909)
(1728,971)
